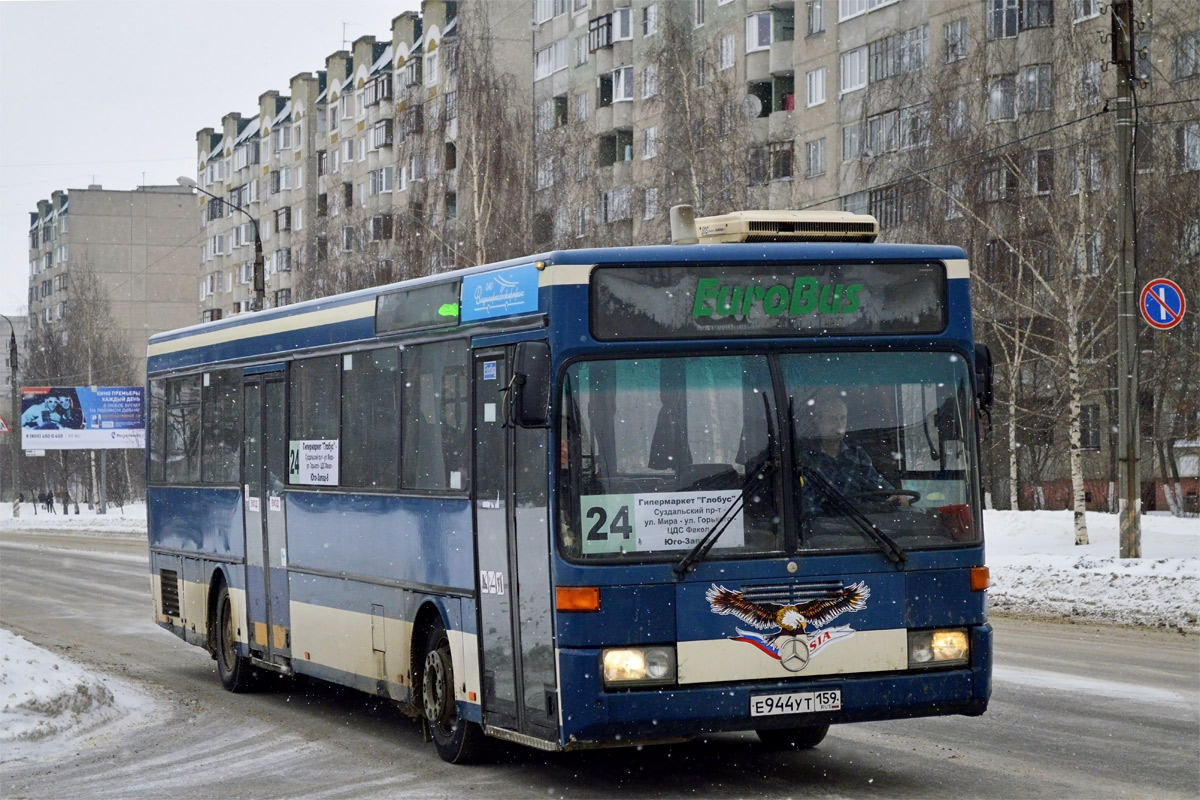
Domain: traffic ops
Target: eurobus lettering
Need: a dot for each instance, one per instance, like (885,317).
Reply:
(577,500)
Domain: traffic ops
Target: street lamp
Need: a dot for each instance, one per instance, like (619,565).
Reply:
(14,425)
(259,278)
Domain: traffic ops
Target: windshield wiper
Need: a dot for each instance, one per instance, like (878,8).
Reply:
(731,511)
(887,544)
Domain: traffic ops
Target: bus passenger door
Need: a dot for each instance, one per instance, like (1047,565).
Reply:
(265,472)
(515,636)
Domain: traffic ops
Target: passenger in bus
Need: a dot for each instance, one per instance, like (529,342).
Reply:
(822,447)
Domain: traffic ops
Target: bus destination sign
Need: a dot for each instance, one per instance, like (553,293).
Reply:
(696,301)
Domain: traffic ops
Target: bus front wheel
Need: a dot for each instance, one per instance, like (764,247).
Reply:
(235,671)
(804,738)
(457,740)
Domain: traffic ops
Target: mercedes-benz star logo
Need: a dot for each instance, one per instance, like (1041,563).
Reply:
(793,653)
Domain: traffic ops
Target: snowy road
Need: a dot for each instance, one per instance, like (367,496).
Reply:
(1078,711)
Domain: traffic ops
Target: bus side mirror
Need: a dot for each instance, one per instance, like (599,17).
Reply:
(530,395)
(983,377)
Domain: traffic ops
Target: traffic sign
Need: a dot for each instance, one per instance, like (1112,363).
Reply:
(4,426)
(1162,303)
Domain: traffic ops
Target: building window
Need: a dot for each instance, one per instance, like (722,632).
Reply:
(283,219)
(999,182)
(1187,146)
(622,24)
(851,8)
(1089,427)
(1087,173)
(545,173)
(956,42)
(881,132)
(1043,180)
(622,84)
(1088,255)
(956,192)
(885,206)
(349,235)
(781,160)
(914,126)
(650,142)
(1002,98)
(283,297)
(816,16)
(851,142)
(898,54)
(581,107)
(381,134)
(650,203)
(725,58)
(616,204)
(1089,82)
(854,69)
(649,81)
(1001,19)
(381,227)
(600,33)
(816,87)
(1037,14)
(550,59)
(758,31)
(814,158)
(1187,55)
(1035,88)
(698,17)
(650,20)
(1086,9)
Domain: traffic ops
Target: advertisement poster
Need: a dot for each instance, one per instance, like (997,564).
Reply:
(83,417)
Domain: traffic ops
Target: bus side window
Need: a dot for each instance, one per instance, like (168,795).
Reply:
(434,409)
(370,419)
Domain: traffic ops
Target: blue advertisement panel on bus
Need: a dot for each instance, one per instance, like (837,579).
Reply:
(83,417)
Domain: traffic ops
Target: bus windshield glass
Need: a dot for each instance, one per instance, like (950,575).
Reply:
(656,452)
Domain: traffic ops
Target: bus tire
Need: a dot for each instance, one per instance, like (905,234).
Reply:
(234,670)
(802,738)
(457,740)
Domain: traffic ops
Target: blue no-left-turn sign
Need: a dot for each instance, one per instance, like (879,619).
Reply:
(1162,303)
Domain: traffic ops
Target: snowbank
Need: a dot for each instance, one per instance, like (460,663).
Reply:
(1038,570)
(46,703)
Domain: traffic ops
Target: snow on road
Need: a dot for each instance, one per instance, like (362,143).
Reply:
(48,705)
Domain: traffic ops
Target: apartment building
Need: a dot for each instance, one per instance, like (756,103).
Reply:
(351,178)
(136,244)
(483,130)
(984,123)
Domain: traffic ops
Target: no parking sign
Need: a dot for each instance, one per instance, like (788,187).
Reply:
(1162,303)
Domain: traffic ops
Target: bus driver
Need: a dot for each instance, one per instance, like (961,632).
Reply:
(847,468)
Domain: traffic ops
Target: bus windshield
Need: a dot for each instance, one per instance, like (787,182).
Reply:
(656,452)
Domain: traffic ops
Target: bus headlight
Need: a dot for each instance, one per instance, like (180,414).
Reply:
(638,666)
(938,648)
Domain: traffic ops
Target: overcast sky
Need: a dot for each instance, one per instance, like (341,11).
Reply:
(108,92)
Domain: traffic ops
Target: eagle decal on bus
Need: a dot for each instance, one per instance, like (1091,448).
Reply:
(799,629)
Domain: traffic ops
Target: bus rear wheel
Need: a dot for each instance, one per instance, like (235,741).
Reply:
(802,738)
(457,740)
(235,671)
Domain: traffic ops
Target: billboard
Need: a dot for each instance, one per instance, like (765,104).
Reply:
(83,417)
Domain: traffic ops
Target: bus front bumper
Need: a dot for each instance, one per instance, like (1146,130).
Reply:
(594,717)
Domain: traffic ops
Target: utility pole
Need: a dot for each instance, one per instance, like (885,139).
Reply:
(1128,435)
(14,422)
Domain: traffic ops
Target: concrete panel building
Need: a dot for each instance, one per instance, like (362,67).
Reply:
(137,243)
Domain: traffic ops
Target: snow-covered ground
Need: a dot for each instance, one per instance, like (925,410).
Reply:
(46,703)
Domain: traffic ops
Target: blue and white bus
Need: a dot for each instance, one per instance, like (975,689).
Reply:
(585,499)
